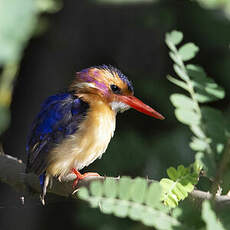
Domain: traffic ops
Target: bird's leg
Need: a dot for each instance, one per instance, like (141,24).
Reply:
(80,176)
(44,189)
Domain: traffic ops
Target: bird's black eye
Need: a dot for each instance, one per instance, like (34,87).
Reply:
(115,89)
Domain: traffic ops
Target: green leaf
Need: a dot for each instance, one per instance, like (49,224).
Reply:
(172,173)
(182,101)
(124,188)
(96,188)
(178,82)
(198,144)
(209,217)
(181,72)
(94,201)
(182,171)
(206,88)
(198,158)
(207,92)
(148,218)
(197,165)
(188,51)
(176,58)
(207,160)
(168,197)
(121,209)
(197,131)
(142,201)
(212,115)
(181,182)
(83,193)
(175,37)
(50,6)
(219,148)
(138,190)
(215,90)
(136,211)
(188,117)
(215,124)
(153,195)
(17,21)
(195,71)
(162,222)
(110,187)
(107,206)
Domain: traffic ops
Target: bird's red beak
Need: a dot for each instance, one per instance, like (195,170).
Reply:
(137,104)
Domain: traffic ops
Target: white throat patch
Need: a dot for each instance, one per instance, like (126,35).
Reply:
(119,106)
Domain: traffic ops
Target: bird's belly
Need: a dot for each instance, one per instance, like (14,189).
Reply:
(86,145)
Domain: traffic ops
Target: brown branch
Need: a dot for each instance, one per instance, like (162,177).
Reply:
(12,172)
(197,196)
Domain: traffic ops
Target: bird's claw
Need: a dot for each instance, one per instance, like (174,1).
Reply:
(80,176)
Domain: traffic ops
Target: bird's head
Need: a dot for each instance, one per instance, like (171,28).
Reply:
(113,87)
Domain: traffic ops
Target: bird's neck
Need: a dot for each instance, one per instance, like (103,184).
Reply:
(97,103)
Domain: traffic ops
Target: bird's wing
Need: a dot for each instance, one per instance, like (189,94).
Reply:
(59,117)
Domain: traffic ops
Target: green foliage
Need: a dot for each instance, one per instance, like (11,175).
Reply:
(206,89)
(217,4)
(209,217)
(173,39)
(207,124)
(18,20)
(188,51)
(16,27)
(133,198)
(181,181)
(152,203)
(17,24)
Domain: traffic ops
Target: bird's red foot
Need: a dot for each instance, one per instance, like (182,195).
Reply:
(80,176)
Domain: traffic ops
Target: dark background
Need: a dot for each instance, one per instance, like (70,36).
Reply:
(130,37)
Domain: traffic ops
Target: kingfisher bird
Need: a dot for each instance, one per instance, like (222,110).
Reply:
(74,128)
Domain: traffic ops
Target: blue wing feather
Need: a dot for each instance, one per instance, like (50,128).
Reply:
(59,117)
